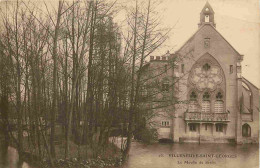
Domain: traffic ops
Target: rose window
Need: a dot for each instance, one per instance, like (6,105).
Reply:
(206,76)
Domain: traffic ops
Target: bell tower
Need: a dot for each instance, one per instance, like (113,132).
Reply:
(207,15)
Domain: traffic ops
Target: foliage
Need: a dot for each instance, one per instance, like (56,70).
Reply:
(147,135)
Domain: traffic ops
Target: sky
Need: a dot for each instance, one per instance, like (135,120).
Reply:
(237,20)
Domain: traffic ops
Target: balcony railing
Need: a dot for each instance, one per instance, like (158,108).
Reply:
(199,116)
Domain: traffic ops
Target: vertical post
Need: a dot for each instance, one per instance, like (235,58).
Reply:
(199,131)
(186,128)
(213,127)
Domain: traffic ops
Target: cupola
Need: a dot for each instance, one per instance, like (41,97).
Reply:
(207,16)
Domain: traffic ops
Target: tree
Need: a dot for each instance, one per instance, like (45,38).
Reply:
(146,36)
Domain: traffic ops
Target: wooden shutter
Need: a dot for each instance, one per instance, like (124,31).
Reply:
(205,106)
(192,106)
(218,107)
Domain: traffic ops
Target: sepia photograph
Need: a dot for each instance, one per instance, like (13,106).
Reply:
(129,83)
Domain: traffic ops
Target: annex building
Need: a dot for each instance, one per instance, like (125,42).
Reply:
(198,93)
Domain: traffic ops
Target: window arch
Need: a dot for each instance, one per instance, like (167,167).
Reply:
(219,104)
(193,102)
(193,96)
(246,130)
(206,103)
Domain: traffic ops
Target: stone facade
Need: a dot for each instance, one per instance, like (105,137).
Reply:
(198,93)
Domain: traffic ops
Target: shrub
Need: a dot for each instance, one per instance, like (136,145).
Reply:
(146,135)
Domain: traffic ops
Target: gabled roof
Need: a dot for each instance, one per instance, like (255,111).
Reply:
(213,29)
(207,5)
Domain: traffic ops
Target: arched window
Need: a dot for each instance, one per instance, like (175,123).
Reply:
(246,130)
(206,103)
(193,102)
(219,104)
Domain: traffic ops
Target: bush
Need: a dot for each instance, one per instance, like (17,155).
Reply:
(146,135)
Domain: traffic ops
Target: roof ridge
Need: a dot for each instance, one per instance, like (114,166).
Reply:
(216,31)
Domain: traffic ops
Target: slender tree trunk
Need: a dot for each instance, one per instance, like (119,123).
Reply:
(132,103)
(55,72)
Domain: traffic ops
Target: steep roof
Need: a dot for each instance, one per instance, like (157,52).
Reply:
(213,29)
(207,5)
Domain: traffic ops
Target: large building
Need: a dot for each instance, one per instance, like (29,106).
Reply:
(198,93)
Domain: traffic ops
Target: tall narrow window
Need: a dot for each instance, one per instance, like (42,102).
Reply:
(218,107)
(231,69)
(165,86)
(205,106)
(193,102)
(207,18)
(182,68)
(206,103)
(246,130)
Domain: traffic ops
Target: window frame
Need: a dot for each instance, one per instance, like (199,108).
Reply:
(207,20)
(165,123)
(231,69)
(219,98)
(192,127)
(248,130)
(222,102)
(166,86)
(193,102)
(219,128)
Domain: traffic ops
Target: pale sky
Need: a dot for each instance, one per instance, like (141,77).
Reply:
(237,20)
